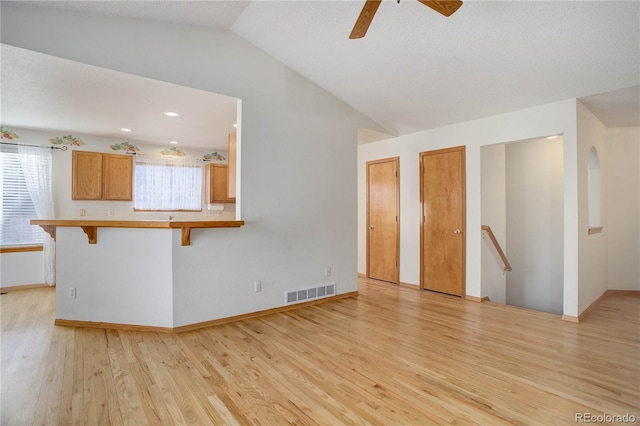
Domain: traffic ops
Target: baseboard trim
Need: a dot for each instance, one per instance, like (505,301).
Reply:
(633,293)
(569,318)
(477,299)
(584,313)
(399,283)
(407,285)
(196,326)
(21,287)
(112,326)
(277,310)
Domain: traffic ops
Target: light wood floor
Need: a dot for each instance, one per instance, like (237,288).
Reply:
(390,356)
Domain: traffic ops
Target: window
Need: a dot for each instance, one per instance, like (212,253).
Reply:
(168,184)
(17,208)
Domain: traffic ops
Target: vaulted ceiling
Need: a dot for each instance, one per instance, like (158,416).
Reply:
(416,69)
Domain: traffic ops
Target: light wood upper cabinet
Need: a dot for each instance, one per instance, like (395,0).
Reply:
(98,176)
(117,172)
(86,181)
(217,184)
(232,165)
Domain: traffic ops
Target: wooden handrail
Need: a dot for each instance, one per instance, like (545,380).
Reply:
(507,265)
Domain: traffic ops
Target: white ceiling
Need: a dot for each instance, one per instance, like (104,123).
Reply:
(416,69)
(620,108)
(45,92)
(216,14)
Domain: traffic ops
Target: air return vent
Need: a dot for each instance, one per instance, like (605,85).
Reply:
(297,296)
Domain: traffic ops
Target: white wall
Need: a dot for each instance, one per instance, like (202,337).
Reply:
(552,119)
(298,151)
(22,268)
(592,248)
(494,210)
(129,281)
(623,207)
(534,212)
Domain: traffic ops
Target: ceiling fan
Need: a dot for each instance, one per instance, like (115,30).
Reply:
(444,7)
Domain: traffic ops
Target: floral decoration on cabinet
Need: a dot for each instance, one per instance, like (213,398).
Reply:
(8,134)
(173,152)
(214,156)
(67,140)
(124,146)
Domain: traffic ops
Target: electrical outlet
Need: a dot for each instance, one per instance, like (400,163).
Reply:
(257,286)
(72,292)
(327,271)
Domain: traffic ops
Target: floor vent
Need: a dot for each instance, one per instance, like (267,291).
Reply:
(297,296)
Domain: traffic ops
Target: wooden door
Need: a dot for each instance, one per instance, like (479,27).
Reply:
(383,221)
(442,236)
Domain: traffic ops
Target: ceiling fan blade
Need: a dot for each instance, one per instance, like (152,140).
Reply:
(444,7)
(365,18)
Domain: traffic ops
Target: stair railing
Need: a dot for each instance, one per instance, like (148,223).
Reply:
(487,229)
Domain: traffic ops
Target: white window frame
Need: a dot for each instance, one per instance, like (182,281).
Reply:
(16,205)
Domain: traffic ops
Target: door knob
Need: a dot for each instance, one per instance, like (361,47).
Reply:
(371,227)
(457,231)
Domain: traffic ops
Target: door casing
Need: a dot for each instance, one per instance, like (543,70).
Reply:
(395,205)
(462,223)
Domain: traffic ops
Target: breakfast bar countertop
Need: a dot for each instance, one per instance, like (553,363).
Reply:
(90,226)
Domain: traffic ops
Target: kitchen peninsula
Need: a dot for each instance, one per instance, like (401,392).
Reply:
(127,273)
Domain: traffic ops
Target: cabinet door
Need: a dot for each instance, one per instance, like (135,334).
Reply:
(232,166)
(217,184)
(86,180)
(117,177)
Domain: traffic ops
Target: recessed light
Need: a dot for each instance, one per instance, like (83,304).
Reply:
(173,142)
(171,114)
(124,129)
(552,137)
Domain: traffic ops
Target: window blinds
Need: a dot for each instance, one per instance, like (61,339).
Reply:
(17,209)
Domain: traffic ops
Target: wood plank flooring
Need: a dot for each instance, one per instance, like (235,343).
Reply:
(392,355)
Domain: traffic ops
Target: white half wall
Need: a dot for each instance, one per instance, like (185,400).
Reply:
(623,207)
(534,212)
(22,268)
(298,155)
(494,211)
(126,278)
